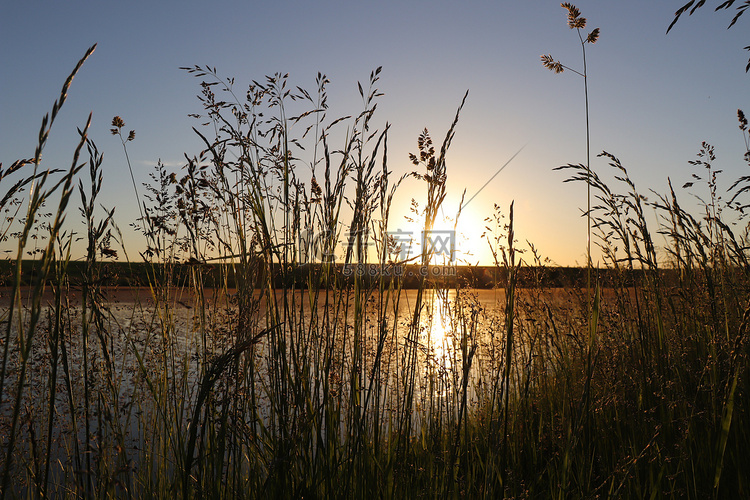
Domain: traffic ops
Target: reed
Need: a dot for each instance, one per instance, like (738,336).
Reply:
(311,378)
(577,22)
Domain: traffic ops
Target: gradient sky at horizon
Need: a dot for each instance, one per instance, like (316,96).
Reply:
(653,96)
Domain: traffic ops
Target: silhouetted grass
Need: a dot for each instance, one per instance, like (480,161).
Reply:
(260,375)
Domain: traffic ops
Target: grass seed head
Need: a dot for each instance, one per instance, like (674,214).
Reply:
(593,36)
(575,21)
(118,122)
(551,64)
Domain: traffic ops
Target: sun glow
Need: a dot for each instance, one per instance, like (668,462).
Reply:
(452,243)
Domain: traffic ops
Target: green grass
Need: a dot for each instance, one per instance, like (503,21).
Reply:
(259,376)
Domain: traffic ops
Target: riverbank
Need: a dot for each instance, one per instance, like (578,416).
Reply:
(213,275)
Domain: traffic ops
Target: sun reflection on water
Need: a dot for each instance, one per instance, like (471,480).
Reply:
(437,328)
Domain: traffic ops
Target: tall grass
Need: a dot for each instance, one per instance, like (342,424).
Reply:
(577,22)
(298,372)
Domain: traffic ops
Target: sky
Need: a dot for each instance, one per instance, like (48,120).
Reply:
(653,97)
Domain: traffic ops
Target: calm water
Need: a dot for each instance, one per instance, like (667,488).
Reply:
(170,341)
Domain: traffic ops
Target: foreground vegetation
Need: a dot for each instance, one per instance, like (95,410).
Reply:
(335,388)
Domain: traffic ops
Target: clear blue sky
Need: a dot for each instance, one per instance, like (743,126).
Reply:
(654,97)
